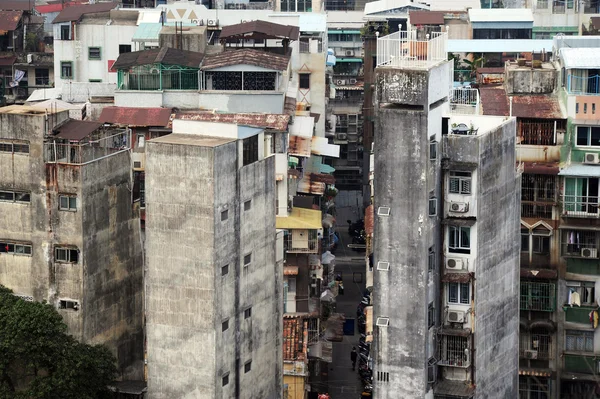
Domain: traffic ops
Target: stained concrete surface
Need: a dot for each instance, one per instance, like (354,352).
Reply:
(343,382)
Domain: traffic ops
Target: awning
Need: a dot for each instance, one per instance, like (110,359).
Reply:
(580,170)
(290,270)
(131,116)
(460,222)
(76,130)
(457,277)
(541,168)
(343,59)
(543,274)
(457,332)
(300,218)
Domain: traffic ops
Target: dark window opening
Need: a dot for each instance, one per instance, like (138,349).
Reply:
(42,76)
(66,255)
(248,205)
(224,215)
(65,304)
(247,259)
(225,325)
(304,80)
(65,32)
(250,150)
(66,70)
(430,315)
(225,380)
(248,366)
(247,313)
(15,248)
(94,53)
(225,270)
(124,48)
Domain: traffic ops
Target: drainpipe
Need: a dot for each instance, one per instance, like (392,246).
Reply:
(510,102)
(554,132)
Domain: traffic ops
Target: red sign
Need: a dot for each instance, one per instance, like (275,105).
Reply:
(110,65)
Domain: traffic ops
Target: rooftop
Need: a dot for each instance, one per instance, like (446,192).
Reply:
(579,58)
(260,30)
(277,122)
(74,13)
(498,46)
(403,49)
(192,139)
(132,116)
(482,124)
(17,5)
(164,55)
(258,58)
(23,110)
(9,20)
(76,130)
(495,101)
(426,17)
(501,15)
(300,218)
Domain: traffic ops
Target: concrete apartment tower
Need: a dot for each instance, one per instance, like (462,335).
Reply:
(68,231)
(446,242)
(214,286)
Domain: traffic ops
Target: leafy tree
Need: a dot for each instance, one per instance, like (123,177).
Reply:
(39,360)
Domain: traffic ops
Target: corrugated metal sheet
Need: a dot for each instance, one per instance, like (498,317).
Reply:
(73,13)
(494,101)
(369,220)
(136,116)
(308,186)
(261,30)
(580,170)
(8,61)
(164,55)
(457,277)
(541,168)
(76,130)
(278,122)
(299,146)
(300,218)
(17,5)
(580,58)
(426,17)
(293,339)
(246,56)
(10,19)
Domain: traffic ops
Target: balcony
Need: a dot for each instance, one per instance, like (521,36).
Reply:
(585,364)
(580,206)
(535,346)
(578,314)
(454,351)
(403,49)
(583,85)
(464,101)
(86,152)
(301,241)
(536,296)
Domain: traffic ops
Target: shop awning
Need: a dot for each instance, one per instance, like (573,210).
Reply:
(300,218)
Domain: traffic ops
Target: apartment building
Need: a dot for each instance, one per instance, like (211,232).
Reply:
(69,234)
(214,281)
(445,241)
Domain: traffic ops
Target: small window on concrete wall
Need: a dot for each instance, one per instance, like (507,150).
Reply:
(66,255)
(68,304)
(224,215)
(67,203)
(225,379)
(304,80)
(94,53)
(248,205)
(248,366)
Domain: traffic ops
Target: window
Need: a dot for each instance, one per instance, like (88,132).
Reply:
(304,80)
(432,150)
(225,380)
(42,76)
(247,259)
(247,366)
(95,80)
(453,351)
(432,206)
(141,139)
(15,196)
(460,182)
(430,315)
(248,205)
(124,48)
(66,255)
(248,313)
(459,239)
(250,150)
(66,70)
(431,266)
(67,304)
(67,203)
(585,290)
(581,196)
(224,215)
(540,240)
(225,270)
(65,32)
(579,341)
(459,293)
(94,53)
(14,148)
(225,325)
(14,248)
(588,136)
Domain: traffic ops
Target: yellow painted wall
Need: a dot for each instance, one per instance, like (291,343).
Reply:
(295,386)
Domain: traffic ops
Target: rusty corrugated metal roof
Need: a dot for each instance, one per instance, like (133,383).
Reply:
(164,55)
(9,20)
(76,130)
(74,13)
(293,339)
(278,122)
(369,220)
(8,61)
(426,17)
(246,56)
(322,178)
(457,277)
(494,101)
(260,30)
(299,146)
(131,116)
(16,5)
(539,168)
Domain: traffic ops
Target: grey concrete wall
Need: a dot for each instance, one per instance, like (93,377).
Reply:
(525,80)
(497,269)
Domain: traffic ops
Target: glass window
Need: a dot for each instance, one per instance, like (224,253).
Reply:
(460,182)
(304,80)
(430,315)
(65,32)
(459,293)
(579,341)
(588,136)
(67,203)
(94,53)
(66,70)
(42,76)
(524,240)
(248,366)
(67,255)
(124,48)
(459,239)
(250,150)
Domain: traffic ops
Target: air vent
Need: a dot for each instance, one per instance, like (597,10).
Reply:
(589,252)
(137,164)
(383,376)
(381,265)
(383,321)
(383,211)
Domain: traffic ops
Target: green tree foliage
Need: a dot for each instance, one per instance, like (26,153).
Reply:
(39,360)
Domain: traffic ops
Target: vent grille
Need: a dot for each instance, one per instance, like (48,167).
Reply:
(381,265)
(383,211)
(383,376)
(383,321)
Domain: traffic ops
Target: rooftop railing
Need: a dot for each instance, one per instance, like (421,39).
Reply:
(87,152)
(580,85)
(404,49)
(464,101)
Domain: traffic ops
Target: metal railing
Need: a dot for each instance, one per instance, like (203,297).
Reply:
(310,245)
(580,85)
(80,154)
(535,346)
(537,296)
(542,4)
(403,49)
(464,101)
(580,206)
(580,243)
(453,351)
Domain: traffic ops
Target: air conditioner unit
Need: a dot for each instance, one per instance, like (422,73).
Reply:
(340,82)
(589,252)
(459,207)
(341,136)
(456,316)
(529,354)
(352,81)
(591,157)
(349,53)
(454,264)
(212,22)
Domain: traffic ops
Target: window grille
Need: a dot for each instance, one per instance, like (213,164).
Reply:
(460,182)
(579,341)
(538,296)
(539,344)
(454,351)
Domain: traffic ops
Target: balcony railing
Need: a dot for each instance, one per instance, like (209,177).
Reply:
(581,364)
(454,351)
(580,243)
(403,49)
(464,101)
(582,206)
(80,154)
(535,346)
(580,85)
(578,314)
(310,245)
(538,296)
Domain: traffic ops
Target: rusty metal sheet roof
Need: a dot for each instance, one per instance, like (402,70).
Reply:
(369,220)
(76,130)
(278,122)
(293,339)
(544,274)
(136,116)
(426,17)
(260,30)
(595,21)
(321,177)
(457,277)
(290,270)
(299,146)
(8,61)
(9,20)
(494,101)
(17,5)
(539,168)
(246,56)
(309,186)
(289,106)
(74,13)
(164,55)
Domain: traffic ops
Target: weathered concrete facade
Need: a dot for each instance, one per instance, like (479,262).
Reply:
(104,279)
(214,290)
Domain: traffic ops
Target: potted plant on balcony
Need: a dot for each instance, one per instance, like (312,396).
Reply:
(472,129)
